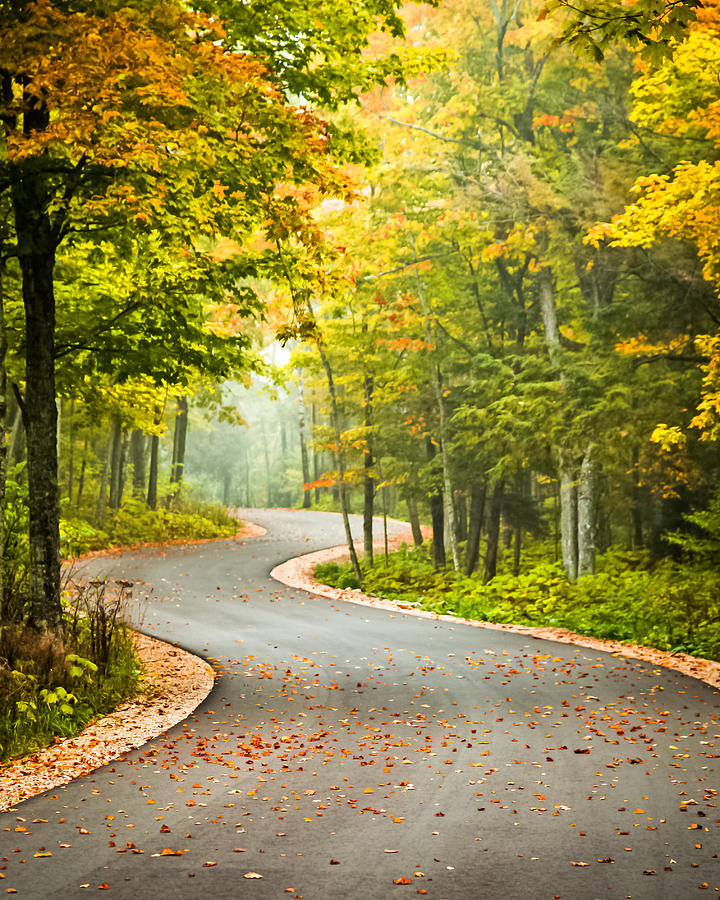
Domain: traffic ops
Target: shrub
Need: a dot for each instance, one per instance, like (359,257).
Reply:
(668,605)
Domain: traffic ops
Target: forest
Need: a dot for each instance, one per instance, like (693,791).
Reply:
(457,263)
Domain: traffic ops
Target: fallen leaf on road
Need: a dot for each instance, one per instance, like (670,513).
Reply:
(208,864)
(579,864)
(252,875)
(402,880)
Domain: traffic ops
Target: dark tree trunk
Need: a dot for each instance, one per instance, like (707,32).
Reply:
(3,449)
(517,551)
(179,441)
(137,453)
(461,516)
(339,462)
(116,436)
(414,517)
(124,445)
(304,457)
(316,458)
(437,513)
(478,493)
(36,252)
(369,462)
(437,516)
(102,493)
(152,492)
(493,530)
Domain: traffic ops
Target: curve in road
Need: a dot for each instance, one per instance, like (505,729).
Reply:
(349,752)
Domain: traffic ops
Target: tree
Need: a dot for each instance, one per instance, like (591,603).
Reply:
(653,25)
(111,113)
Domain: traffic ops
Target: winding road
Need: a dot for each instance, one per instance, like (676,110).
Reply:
(351,752)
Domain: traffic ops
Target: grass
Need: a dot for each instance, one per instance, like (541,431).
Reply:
(44,695)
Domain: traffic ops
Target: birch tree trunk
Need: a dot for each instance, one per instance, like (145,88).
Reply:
(448,493)
(568,519)
(586,494)
(570,538)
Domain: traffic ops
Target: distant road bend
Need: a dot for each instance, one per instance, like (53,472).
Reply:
(351,752)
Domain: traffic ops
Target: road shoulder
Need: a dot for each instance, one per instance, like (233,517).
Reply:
(298,573)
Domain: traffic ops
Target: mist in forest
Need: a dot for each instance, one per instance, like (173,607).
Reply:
(253,463)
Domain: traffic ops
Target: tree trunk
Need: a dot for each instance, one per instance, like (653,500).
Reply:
(368,478)
(124,445)
(307,492)
(152,492)
(586,513)
(137,453)
(636,511)
(448,494)
(339,462)
(437,514)
(3,452)
(179,440)
(36,243)
(16,450)
(102,493)
(414,517)
(493,530)
(478,494)
(81,476)
(567,470)
(116,436)
(316,457)
(71,452)
(461,516)
(227,484)
(266,456)
(568,518)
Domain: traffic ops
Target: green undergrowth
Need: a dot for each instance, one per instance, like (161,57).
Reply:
(134,523)
(47,693)
(179,517)
(667,605)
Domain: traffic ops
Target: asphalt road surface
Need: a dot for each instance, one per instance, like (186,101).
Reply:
(349,752)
